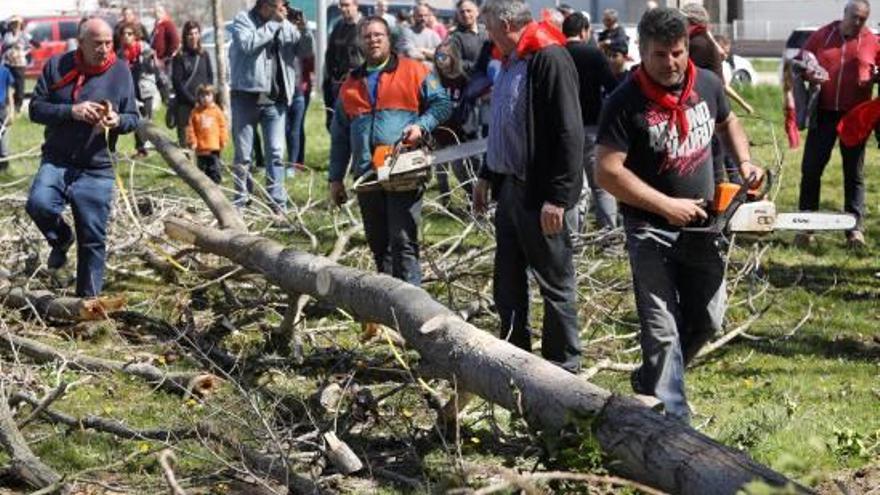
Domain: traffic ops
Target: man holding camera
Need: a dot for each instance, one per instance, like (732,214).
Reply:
(263,80)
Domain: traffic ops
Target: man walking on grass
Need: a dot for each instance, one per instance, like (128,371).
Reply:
(655,156)
(79,96)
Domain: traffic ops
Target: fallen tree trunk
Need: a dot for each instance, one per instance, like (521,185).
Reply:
(179,383)
(644,445)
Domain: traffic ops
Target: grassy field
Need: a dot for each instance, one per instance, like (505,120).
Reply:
(800,391)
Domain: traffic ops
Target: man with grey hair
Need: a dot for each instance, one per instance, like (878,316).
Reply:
(533,166)
(613,32)
(263,80)
(78,97)
(847,50)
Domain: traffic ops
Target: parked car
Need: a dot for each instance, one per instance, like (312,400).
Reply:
(738,70)
(52,36)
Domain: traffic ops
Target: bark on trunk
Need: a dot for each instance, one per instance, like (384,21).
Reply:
(646,446)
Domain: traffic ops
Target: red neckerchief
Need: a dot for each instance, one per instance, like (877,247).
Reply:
(537,36)
(80,72)
(676,106)
(697,29)
(132,52)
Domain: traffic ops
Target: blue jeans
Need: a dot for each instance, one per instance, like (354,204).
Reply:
(523,247)
(391,224)
(296,128)
(246,114)
(678,280)
(90,194)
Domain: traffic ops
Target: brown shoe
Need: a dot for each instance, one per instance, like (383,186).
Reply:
(804,240)
(855,239)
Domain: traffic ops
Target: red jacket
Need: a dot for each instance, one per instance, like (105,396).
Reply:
(848,62)
(166,39)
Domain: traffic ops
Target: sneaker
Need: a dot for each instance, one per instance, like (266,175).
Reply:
(804,240)
(58,256)
(855,239)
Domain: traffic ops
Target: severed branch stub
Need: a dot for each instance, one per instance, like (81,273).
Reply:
(341,455)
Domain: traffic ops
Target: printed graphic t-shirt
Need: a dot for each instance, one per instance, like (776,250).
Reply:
(639,127)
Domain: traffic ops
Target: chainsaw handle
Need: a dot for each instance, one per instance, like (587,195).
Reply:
(763,188)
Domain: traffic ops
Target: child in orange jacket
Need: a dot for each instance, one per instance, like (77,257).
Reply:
(207,132)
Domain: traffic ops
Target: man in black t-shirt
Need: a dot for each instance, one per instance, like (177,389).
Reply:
(596,82)
(655,156)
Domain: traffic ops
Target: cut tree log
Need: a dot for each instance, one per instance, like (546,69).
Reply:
(644,445)
(179,383)
(48,305)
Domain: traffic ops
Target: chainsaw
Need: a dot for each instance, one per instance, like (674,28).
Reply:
(739,209)
(400,168)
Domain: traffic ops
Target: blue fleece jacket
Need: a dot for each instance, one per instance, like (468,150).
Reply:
(72,143)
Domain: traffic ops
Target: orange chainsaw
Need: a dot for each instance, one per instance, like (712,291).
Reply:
(739,209)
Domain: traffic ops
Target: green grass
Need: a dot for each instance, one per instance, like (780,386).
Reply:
(765,64)
(806,404)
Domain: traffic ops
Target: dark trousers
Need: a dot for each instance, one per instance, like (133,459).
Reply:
(331,90)
(182,113)
(817,152)
(391,224)
(18,86)
(210,165)
(520,246)
(678,281)
(90,194)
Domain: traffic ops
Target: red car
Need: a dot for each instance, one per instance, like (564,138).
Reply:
(50,36)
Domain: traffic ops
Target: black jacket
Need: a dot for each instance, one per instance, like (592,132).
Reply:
(595,77)
(183,65)
(555,132)
(469,45)
(343,52)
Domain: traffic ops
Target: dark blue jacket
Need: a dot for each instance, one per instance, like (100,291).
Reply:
(70,142)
